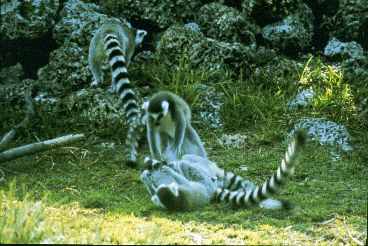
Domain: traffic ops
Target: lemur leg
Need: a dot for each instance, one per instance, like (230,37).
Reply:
(96,68)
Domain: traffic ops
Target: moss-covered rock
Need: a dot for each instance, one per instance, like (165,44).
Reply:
(27,19)
(265,12)
(226,24)
(350,22)
(160,12)
(292,34)
(201,52)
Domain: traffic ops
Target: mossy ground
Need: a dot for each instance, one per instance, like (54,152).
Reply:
(87,195)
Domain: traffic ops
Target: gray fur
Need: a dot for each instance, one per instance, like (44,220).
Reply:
(115,42)
(193,182)
(170,134)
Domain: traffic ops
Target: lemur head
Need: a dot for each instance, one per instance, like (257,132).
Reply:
(156,110)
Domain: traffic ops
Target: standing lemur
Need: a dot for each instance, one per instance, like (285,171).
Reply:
(193,182)
(166,115)
(116,42)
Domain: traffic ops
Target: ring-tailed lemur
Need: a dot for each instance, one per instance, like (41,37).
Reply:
(116,42)
(194,181)
(170,134)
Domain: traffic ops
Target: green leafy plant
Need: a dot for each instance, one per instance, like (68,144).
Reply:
(333,96)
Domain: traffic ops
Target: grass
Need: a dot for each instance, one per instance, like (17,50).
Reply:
(88,196)
(85,194)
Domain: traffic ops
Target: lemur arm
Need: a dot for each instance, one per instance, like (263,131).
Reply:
(153,138)
(176,176)
(181,122)
(192,135)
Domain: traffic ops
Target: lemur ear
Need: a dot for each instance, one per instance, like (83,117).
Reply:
(145,105)
(165,107)
(141,33)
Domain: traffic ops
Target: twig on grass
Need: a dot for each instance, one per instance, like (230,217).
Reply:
(34,148)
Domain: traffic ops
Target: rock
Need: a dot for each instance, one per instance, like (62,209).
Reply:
(193,26)
(303,99)
(209,107)
(292,34)
(278,73)
(161,13)
(266,12)
(342,51)
(232,141)
(68,69)
(11,75)
(350,23)
(78,23)
(28,19)
(226,24)
(201,52)
(325,131)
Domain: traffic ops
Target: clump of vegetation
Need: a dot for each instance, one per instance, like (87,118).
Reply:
(333,96)
(20,220)
(248,102)
(253,101)
(181,80)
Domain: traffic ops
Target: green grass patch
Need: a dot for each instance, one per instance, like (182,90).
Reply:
(89,196)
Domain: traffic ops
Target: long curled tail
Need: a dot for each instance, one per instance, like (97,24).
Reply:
(122,85)
(248,197)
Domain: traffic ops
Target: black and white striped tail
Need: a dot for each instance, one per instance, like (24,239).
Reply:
(121,85)
(247,198)
(135,130)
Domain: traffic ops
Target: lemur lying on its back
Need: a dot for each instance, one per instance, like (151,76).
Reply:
(193,181)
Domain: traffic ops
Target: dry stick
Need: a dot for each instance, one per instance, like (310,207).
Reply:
(39,147)
(27,120)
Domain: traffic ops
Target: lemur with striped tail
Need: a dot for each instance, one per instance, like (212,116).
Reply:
(116,42)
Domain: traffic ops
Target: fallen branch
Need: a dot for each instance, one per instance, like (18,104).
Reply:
(32,149)
(25,123)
